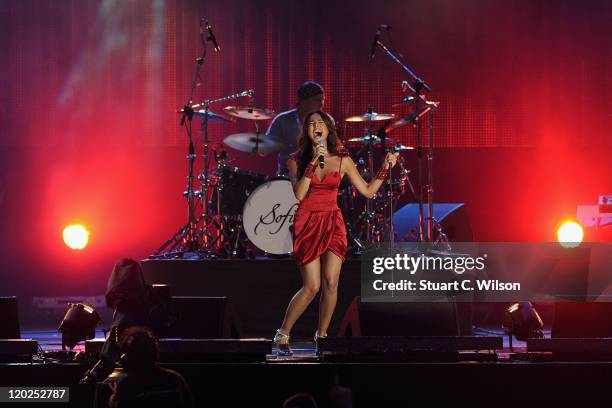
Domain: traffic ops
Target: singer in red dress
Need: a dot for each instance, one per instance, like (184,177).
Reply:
(319,235)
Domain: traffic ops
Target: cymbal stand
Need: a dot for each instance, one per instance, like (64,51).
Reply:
(211,236)
(208,235)
(370,226)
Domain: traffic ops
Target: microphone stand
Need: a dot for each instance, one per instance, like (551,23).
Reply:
(418,86)
(188,235)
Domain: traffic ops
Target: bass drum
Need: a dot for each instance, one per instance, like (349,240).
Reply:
(268,214)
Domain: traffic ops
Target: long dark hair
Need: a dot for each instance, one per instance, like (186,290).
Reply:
(304,154)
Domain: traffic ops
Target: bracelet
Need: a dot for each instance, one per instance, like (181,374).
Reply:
(309,173)
(382,173)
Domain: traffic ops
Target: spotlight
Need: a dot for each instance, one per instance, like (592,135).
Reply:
(570,234)
(523,321)
(76,236)
(79,324)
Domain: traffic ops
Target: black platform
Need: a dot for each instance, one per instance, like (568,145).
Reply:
(259,289)
(388,384)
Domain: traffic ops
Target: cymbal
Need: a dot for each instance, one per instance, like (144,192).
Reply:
(412,118)
(212,117)
(396,125)
(247,112)
(370,117)
(377,142)
(365,140)
(249,143)
(399,147)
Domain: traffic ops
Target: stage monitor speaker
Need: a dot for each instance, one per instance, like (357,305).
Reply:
(9,329)
(406,319)
(17,350)
(582,320)
(453,218)
(202,317)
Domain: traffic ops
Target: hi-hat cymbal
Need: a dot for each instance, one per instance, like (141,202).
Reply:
(247,112)
(370,117)
(413,117)
(212,117)
(365,140)
(376,142)
(252,143)
(399,147)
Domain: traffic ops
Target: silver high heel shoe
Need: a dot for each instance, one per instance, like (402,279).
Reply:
(316,340)
(282,342)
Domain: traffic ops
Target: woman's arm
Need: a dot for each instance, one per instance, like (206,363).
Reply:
(360,184)
(301,186)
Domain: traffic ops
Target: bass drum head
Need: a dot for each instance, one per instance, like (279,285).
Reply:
(268,217)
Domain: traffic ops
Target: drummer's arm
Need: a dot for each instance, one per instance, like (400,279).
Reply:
(275,131)
(301,186)
(368,190)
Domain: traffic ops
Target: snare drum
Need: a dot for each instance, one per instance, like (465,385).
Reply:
(268,216)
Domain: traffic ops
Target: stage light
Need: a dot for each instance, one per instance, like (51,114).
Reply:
(79,324)
(523,321)
(76,236)
(570,234)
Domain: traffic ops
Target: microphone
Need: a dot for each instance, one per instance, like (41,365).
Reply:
(403,101)
(321,158)
(211,37)
(376,36)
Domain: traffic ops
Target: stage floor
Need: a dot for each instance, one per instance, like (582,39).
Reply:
(370,384)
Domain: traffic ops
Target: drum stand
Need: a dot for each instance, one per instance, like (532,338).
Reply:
(214,230)
(375,223)
(365,225)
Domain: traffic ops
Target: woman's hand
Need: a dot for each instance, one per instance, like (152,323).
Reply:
(391,159)
(319,150)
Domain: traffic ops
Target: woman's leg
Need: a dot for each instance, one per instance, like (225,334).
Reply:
(329,295)
(311,282)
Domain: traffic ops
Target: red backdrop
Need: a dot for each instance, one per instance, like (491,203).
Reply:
(89,91)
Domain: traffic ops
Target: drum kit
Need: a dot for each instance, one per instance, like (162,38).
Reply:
(234,212)
(242,212)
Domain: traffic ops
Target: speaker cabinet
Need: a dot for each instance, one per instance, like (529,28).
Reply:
(406,319)
(202,317)
(9,329)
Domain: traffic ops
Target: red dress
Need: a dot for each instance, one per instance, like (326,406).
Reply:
(318,225)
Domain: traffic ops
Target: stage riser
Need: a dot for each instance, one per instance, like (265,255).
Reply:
(259,290)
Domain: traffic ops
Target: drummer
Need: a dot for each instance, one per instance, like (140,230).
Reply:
(287,126)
